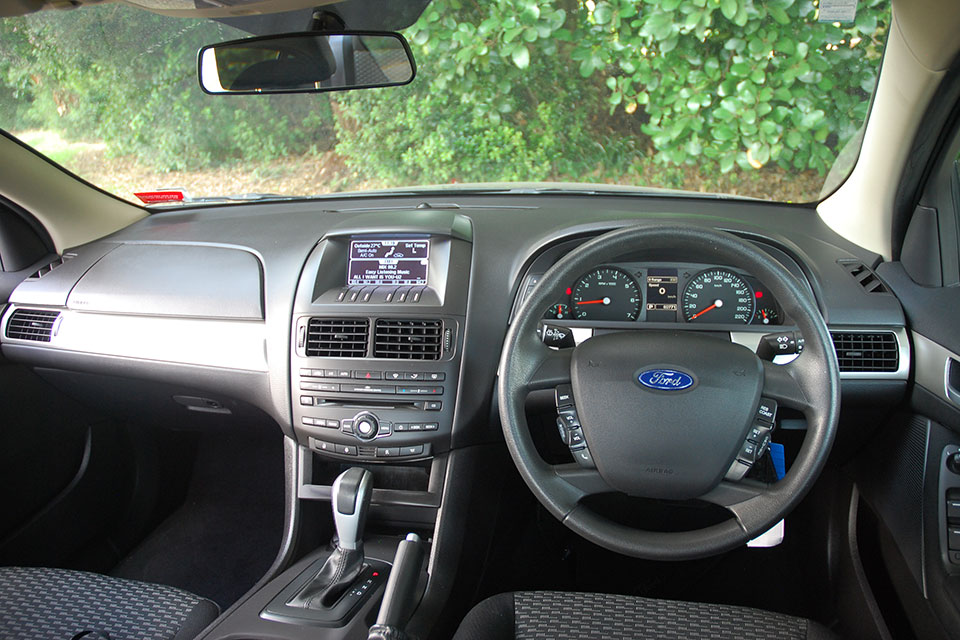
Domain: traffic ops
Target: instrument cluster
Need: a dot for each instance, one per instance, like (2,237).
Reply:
(667,292)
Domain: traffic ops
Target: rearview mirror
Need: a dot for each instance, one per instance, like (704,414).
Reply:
(306,62)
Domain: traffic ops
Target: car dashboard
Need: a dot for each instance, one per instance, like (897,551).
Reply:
(370,329)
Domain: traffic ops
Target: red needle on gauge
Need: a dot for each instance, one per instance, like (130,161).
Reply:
(716,305)
(601,301)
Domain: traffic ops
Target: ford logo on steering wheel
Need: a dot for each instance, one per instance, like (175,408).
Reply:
(665,379)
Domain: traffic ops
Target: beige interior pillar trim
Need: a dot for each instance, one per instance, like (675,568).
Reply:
(861,210)
(72,212)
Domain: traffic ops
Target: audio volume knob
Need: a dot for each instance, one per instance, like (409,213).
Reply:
(366,426)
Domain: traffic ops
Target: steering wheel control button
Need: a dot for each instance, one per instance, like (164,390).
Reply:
(576,441)
(748,453)
(583,458)
(767,411)
(564,396)
(570,418)
(759,432)
(563,431)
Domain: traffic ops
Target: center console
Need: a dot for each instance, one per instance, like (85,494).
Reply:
(377,333)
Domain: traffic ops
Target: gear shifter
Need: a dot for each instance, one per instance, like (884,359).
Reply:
(350,497)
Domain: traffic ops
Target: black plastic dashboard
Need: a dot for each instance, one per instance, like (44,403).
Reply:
(202,311)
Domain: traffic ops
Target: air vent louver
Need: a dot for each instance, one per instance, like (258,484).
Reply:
(408,339)
(337,337)
(864,276)
(32,324)
(865,352)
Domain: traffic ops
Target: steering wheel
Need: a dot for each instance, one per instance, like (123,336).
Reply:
(676,439)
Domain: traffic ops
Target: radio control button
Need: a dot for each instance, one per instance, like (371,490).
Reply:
(416,294)
(400,427)
(431,426)
(401,294)
(306,401)
(575,437)
(432,405)
(564,396)
(570,418)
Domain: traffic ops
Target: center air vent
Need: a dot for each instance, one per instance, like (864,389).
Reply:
(32,324)
(861,352)
(408,339)
(337,337)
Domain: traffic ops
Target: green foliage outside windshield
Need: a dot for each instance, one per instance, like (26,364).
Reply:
(694,94)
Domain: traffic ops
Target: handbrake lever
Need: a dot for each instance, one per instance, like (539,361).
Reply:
(401,593)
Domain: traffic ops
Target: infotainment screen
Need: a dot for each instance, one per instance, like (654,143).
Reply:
(382,261)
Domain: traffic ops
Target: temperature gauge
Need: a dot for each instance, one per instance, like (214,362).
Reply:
(766,314)
(558,312)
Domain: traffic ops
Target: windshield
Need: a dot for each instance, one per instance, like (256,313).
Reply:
(719,96)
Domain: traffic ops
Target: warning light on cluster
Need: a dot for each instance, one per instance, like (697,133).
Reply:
(759,294)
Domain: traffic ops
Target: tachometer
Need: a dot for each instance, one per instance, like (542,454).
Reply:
(607,293)
(718,295)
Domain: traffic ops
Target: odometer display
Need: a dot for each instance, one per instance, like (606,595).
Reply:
(718,296)
(606,293)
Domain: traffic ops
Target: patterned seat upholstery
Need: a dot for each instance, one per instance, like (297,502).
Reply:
(58,604)
(555,615)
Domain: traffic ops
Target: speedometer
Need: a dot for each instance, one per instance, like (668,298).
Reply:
(718,295)
(606,293)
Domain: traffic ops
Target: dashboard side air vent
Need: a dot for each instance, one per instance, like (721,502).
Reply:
(32,324)
(864,276)
(865,352)
(337,337)
(408,339)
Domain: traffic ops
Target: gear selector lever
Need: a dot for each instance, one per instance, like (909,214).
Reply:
(350,498)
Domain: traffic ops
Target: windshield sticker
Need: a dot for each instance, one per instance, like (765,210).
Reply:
(837,11)
(153,197)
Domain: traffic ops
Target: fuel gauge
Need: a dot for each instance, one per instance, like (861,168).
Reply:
(558,312)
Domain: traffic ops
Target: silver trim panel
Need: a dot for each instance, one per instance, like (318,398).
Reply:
(933,367)
(228,344)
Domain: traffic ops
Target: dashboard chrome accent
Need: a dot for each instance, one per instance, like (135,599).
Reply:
(933,367)
(231,344)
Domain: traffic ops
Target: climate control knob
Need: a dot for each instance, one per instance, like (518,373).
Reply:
(365,426)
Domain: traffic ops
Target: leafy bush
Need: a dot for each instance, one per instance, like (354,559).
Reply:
(150,105)
(494,101)
(735,81)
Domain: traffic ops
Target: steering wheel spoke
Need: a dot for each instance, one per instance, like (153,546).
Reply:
(748,501)
(552,368)
(787,384)
(584,479)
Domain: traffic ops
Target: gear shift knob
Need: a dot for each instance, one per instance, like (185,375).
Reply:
(350,497)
